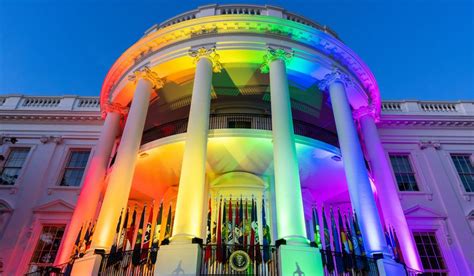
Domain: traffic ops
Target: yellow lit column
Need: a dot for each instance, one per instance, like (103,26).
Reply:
(120,181)
(93,180)
(191,191)
(289,203)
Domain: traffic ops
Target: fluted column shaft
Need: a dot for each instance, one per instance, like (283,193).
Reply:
(386,189)
(120,181)
(93,184)
(289,202)
(360,191)
(192,182)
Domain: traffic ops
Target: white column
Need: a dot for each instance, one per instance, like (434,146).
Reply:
(386,187)
(360,191)
(289,201)
(93,182)
(192,182)
(120,181)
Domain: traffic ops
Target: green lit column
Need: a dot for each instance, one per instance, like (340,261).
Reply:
(296,254)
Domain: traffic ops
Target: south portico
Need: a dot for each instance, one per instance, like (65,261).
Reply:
(188,227)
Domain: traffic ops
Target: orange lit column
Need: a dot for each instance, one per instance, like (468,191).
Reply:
(120,181)
(93,181)
(191,191)
(289,202)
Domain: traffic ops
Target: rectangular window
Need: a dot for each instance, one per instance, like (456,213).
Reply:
(46,247)
(75,167)
(403,172)
(12,167)
(430,255)
(465,170)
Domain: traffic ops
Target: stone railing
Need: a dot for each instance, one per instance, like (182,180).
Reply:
(210,10)
(64,103)
(428,107)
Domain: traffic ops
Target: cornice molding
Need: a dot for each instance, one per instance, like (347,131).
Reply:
(50,117)
(427,123)
(240,24)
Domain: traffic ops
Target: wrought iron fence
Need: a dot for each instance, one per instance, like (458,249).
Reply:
(239,260)
(122,264)
(242,121)
(46,270)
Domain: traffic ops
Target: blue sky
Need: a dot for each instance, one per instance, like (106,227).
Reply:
(416,49)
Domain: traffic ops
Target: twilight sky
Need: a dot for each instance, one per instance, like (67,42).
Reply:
(418,49)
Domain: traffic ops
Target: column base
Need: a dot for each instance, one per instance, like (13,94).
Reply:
(87,265)
(178,259)
(299,260)
(389,267)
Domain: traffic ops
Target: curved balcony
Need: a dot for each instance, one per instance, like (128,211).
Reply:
(240,120)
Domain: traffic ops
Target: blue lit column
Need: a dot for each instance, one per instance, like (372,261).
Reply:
(360,190)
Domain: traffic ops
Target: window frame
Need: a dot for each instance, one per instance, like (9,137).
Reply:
(25,163)
(456,172)
(413,169)
(37,240)
(434,234)
(65,167)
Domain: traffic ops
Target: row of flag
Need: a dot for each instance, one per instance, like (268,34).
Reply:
(345,240)
(127,237)
(236,227)
(83,240)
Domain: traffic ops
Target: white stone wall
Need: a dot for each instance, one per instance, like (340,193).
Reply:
(50,127)
(429,133)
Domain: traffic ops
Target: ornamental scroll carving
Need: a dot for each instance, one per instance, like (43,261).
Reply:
(147,74)
(209,53)
(274,54)
(336,75)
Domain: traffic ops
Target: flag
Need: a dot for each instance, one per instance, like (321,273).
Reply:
(397,246)
(168,224)
(113,249)
(317,235)
(224,232)
(327,242)
(230,226)
(346,252)
(237,231)
(131,231)
(362,260)
(77,244)
(138,242)
(208,252)
(246,224)
(388,240)
(147,237)
(258,253)
(122,238)
(89,238)
(266,235)
(337,245)
(241,224)
(350,240)
(156,236)
(219,254)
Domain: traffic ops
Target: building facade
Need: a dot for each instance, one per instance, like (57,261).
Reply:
(225,107)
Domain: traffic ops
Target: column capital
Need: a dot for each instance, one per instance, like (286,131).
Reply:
(274,54)
(146,73)
(336,75)
(209,53)
(366,110)
(114,107)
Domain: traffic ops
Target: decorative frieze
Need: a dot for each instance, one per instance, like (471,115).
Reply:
(209,53)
